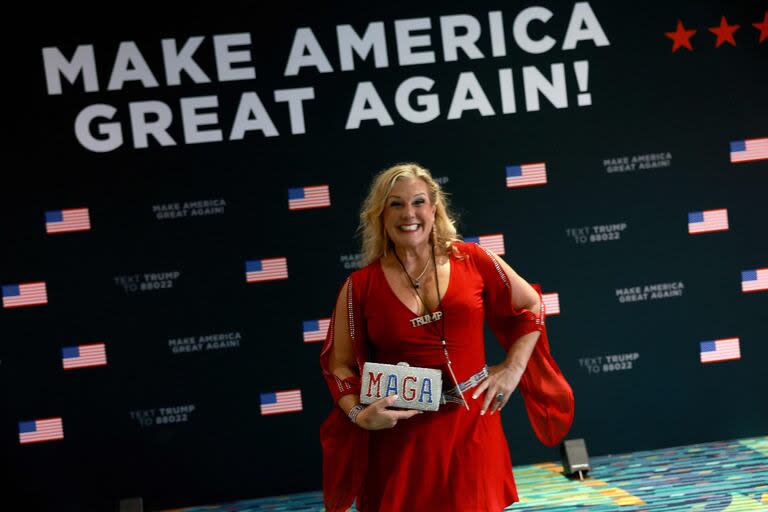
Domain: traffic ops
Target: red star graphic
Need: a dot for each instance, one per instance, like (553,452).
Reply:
(680,36)
(762,27)
(724,32)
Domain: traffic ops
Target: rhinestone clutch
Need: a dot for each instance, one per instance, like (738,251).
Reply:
(415,387)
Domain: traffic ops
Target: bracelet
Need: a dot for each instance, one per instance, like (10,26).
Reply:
(354,411)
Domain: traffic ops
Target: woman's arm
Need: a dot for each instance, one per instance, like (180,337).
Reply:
(504,378)
(342,365)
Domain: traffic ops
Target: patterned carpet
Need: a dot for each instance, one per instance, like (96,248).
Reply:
(723,476)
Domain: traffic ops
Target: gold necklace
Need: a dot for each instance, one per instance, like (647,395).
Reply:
(414,282)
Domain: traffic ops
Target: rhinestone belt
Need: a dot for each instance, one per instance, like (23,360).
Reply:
(453,396)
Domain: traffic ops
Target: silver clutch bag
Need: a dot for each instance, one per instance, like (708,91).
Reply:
(415,387)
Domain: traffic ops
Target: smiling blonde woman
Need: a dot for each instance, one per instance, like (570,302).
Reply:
(422,299)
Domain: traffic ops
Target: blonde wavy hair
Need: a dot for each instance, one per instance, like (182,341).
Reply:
(375,239)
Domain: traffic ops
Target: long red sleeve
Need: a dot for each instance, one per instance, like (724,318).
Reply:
(547,395)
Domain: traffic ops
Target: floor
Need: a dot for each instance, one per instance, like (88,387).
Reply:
(721,476)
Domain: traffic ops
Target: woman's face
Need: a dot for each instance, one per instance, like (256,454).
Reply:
(408,213)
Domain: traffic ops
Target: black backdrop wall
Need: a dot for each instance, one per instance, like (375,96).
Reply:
(643,129)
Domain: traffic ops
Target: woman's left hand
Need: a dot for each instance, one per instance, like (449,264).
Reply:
(502,379)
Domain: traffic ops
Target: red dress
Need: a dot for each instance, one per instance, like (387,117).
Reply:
(452,459)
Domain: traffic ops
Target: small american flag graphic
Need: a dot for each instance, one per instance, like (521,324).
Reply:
(754,280)
(551,303)
(526,174)
(749,149)
(302,198)
(708,220)
(494,243)
(268,269)
(719,350)
(280,402)
(36,431)
(83,356)
(24,294)
(64,221)
(315,330)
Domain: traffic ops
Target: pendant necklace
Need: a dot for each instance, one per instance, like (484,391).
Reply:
(414,282)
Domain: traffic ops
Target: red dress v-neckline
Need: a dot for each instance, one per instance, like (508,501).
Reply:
(409,310)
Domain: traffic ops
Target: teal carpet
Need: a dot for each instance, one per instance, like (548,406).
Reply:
(722,476)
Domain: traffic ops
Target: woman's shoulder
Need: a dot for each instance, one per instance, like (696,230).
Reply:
(477,256)
(461,245)
(463,249)
(362,282)
(474,249)
(363,274)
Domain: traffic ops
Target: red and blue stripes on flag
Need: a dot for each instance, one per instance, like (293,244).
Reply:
(315,330)
(36,431)
(749,149)
(526,174)
(280,402)
(302,198)
(83,356)
(724,349)
(24,294)
(64,221)
(268,269)
(707,221)
(754,280)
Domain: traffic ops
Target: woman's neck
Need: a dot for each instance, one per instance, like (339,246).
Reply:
(413,258)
